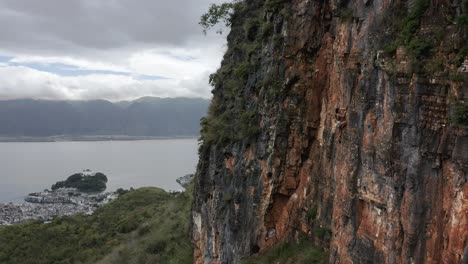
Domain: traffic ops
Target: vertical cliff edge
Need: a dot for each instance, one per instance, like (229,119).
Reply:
(345,122)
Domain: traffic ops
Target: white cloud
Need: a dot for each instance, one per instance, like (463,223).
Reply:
(79,63)
(176,64)
(23,82)
(185,72)
(144,38)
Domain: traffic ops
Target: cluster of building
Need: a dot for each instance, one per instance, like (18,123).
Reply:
(48,204)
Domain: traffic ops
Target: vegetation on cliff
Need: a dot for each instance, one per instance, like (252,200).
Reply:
(460,114)
(233,114)
(425,36)
(303,252)
(250,80)
(146,225)
(84,183)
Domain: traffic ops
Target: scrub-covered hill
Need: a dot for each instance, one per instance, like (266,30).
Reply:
(146,225)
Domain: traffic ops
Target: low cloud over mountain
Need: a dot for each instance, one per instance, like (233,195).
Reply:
(148,116)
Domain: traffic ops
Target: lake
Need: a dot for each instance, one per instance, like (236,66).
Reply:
(30,167)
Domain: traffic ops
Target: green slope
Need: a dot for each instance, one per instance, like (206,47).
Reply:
(302,252)
(146,225)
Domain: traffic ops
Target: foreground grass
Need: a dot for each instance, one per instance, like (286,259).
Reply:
(303,252)
(146,225)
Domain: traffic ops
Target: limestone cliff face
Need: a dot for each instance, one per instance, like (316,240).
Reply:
(335,120)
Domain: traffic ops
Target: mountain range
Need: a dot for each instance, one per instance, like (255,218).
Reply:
(147,116)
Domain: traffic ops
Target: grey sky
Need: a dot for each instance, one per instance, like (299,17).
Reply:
(111,49)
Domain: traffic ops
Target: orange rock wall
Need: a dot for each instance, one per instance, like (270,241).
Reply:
(389,187)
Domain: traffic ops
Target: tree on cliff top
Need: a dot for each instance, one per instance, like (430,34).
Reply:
(218,13)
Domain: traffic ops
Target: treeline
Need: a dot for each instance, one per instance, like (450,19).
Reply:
(84,183)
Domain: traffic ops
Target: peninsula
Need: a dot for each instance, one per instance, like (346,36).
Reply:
(81,193)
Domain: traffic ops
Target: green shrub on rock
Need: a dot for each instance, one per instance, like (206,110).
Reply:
(460,114)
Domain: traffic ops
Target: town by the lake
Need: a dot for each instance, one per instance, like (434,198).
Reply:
(48,204)
(81,193)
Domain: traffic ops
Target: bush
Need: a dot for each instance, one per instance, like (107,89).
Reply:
(248,125)
(303,252)
(273,87)
(434,65)
(156,247)
(251,28)
(267,30)
(456,77)
(311,214)
(420,6)
(242,71)
(346,14)
(418,49)
(460,57)
(322,232)
(121,191)
(228,196)
(460,114)
(390,49)
(128,224)
(462,20)
(272,5)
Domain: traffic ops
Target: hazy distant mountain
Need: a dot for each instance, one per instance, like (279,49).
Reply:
(147,116)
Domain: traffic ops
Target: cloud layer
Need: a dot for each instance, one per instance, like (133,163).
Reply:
(113,49)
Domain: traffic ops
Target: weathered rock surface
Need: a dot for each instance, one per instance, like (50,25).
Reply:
(356,148)
(185,180)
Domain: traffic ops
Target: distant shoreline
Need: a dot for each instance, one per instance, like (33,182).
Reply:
(89,138)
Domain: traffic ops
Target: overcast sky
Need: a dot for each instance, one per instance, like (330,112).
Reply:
(105,49)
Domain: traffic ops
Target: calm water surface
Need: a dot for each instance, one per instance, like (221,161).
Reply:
(30,167)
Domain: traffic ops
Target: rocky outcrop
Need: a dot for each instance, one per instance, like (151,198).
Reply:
(185,180)
(337,120)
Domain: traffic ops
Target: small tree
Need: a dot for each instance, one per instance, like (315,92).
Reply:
(217,14)
(460,114)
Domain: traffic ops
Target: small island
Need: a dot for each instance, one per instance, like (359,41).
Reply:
(84,182)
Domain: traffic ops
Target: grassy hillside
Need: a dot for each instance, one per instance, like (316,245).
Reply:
(146,225)
(303,252)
